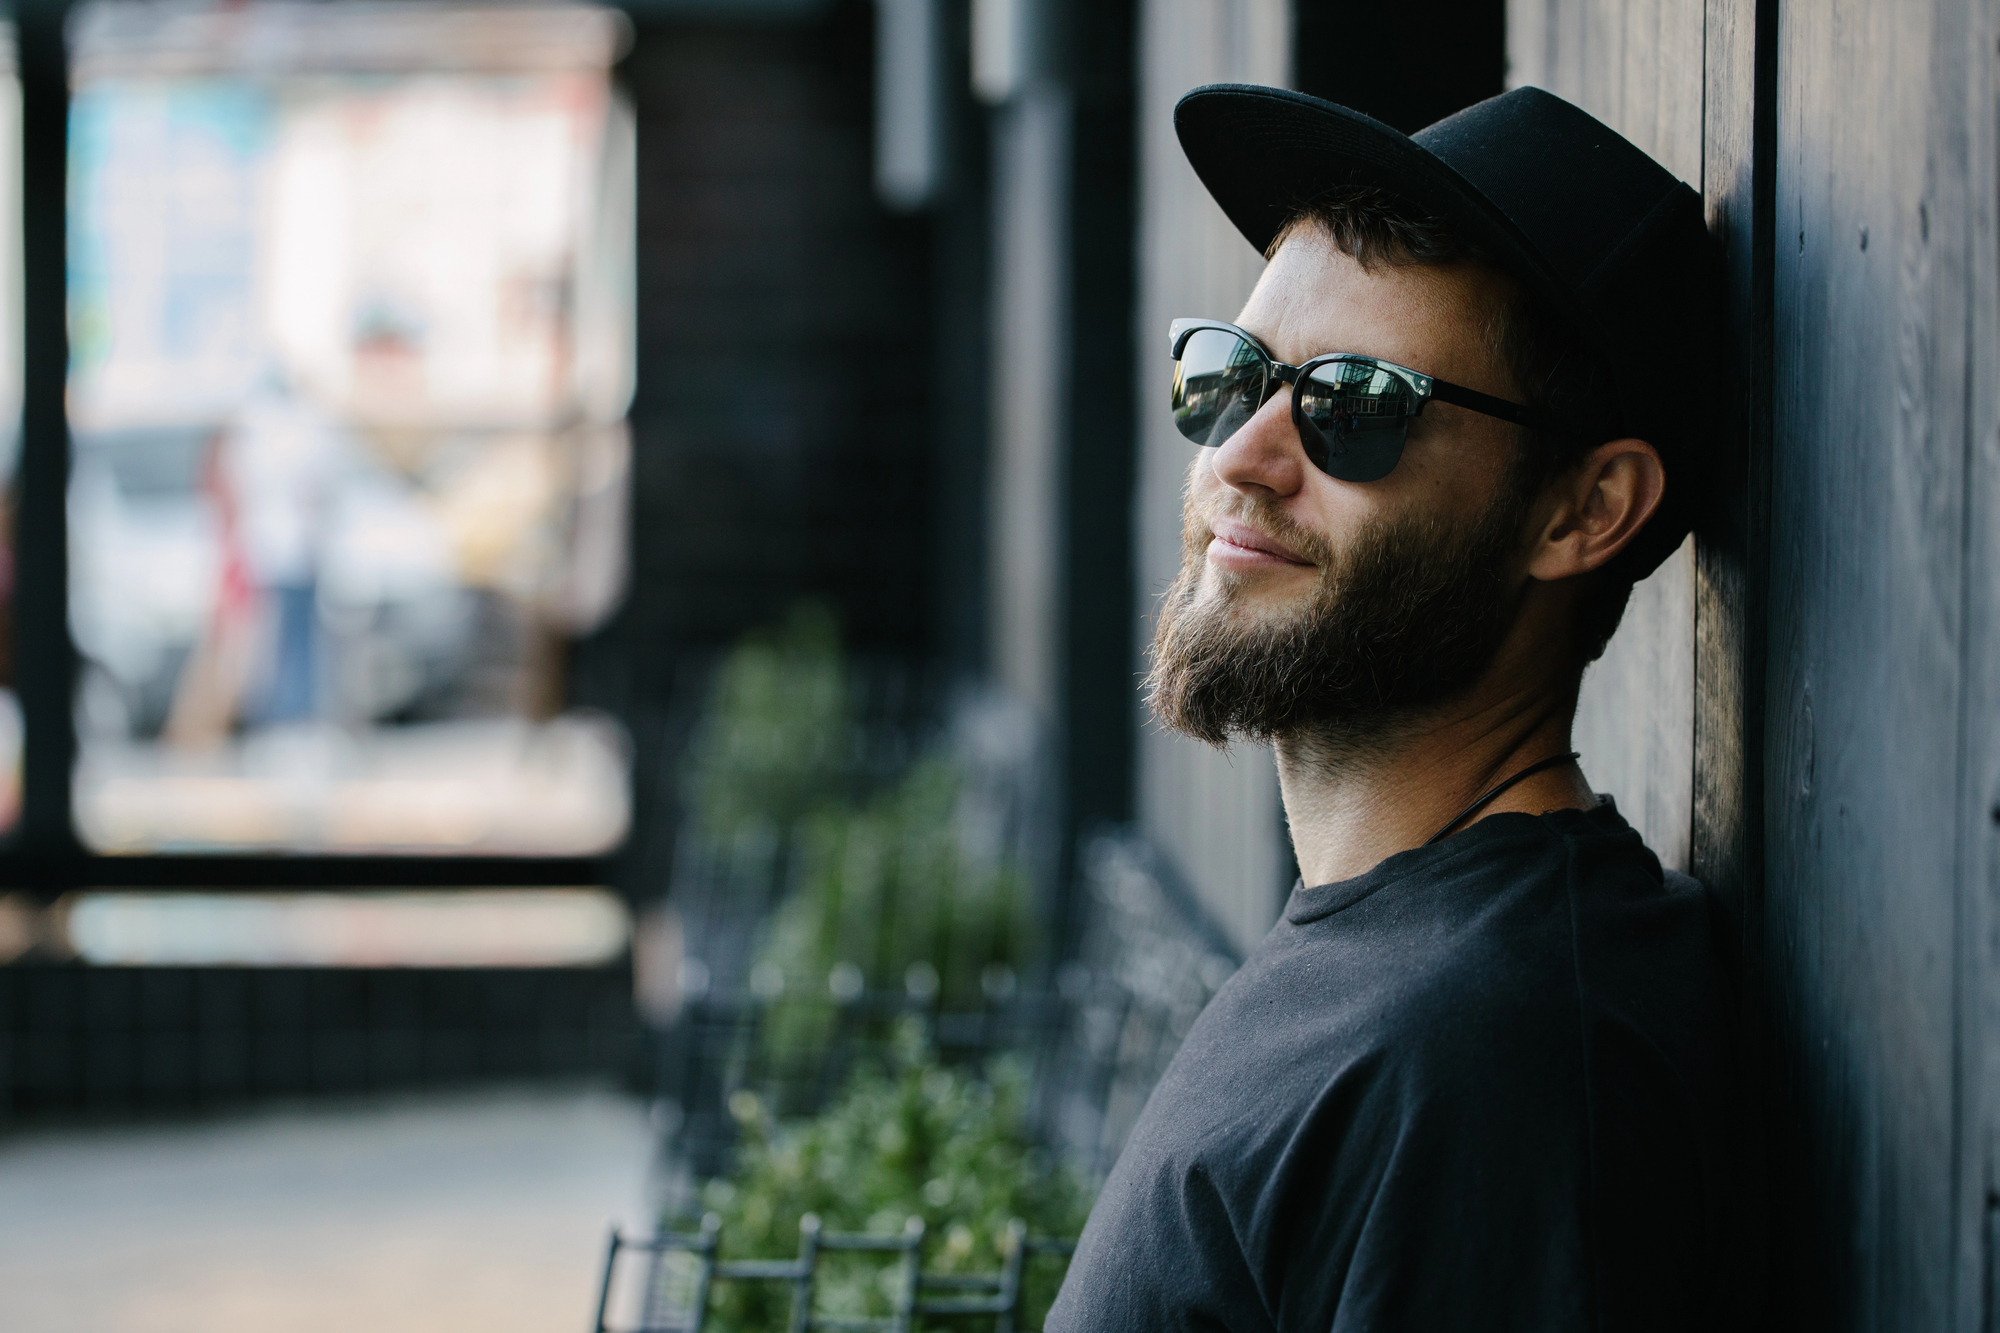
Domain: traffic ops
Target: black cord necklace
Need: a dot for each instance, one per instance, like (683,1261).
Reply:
(1490,796)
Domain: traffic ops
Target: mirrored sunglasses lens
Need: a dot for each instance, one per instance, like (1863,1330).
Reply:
(1363,412)
(1218,385)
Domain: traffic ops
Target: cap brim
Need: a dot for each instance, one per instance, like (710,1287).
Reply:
(1267,153)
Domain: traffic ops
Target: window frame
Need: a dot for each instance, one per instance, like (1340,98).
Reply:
(43,856)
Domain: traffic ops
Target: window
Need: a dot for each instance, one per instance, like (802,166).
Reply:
(350,307)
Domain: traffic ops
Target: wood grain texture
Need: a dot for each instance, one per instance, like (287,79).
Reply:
(1846,608)
(1732,561)
(1635,715)
(1637,66)
(1731,557)
(1217,816)
(1978,961)
(1871,707)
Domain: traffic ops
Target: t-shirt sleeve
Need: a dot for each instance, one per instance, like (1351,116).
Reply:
(1403,1199)
(1161,1254)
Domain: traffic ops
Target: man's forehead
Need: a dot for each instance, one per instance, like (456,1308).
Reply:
(1313,298)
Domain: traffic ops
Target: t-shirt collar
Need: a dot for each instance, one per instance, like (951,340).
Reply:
(1322,900)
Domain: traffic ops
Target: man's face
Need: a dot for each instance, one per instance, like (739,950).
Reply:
(1308,601)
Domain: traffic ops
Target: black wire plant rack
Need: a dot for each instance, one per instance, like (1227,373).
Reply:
(668,1280)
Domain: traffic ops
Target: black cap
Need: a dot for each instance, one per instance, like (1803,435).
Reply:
(1607,236)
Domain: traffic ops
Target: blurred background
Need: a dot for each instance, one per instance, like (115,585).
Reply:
(573,590)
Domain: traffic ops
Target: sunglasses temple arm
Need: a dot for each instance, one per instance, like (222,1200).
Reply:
(1488,405)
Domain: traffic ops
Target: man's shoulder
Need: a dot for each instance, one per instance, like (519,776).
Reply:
(1422,1054)
(1489,963)
(1479,976)
(1547,892)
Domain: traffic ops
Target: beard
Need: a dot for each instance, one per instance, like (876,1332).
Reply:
(1411,615)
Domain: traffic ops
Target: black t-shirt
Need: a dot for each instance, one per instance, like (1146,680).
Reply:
(1486,1085)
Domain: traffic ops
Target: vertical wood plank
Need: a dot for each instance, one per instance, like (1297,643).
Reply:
(1731,561)
(1865,697)
(1637,66)
(1635,715)
(1730,551)
(1978,1214)
(1531,26)
(1846,782)
(1217,816)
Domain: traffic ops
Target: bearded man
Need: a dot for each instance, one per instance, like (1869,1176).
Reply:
(1479,1075)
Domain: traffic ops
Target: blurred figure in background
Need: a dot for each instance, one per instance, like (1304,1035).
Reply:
(267,478)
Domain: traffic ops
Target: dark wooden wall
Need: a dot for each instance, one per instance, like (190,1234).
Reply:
(1881,690)
(1846,693)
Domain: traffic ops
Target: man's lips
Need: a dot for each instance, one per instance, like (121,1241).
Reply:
(1237,543)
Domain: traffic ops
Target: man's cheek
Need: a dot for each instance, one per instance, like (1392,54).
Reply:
(1202,483)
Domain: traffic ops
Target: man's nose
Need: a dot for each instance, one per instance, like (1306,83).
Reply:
(1263,456)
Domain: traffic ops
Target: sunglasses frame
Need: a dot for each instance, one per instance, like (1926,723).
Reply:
(1421,386)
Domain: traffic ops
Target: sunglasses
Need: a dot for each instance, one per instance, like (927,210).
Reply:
(1352,412)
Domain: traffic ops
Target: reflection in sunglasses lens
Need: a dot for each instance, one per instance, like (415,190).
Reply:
(1218,385)
(1363,412)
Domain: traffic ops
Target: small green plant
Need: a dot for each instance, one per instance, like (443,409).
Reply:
(886,898)
(877,891)
(776,734)
(918,1138)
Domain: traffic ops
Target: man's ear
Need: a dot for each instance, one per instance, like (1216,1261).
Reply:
(1598,507)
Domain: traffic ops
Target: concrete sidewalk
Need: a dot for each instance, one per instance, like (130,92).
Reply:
(476,1211)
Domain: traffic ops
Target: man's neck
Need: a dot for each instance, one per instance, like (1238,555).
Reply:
(1352,800)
